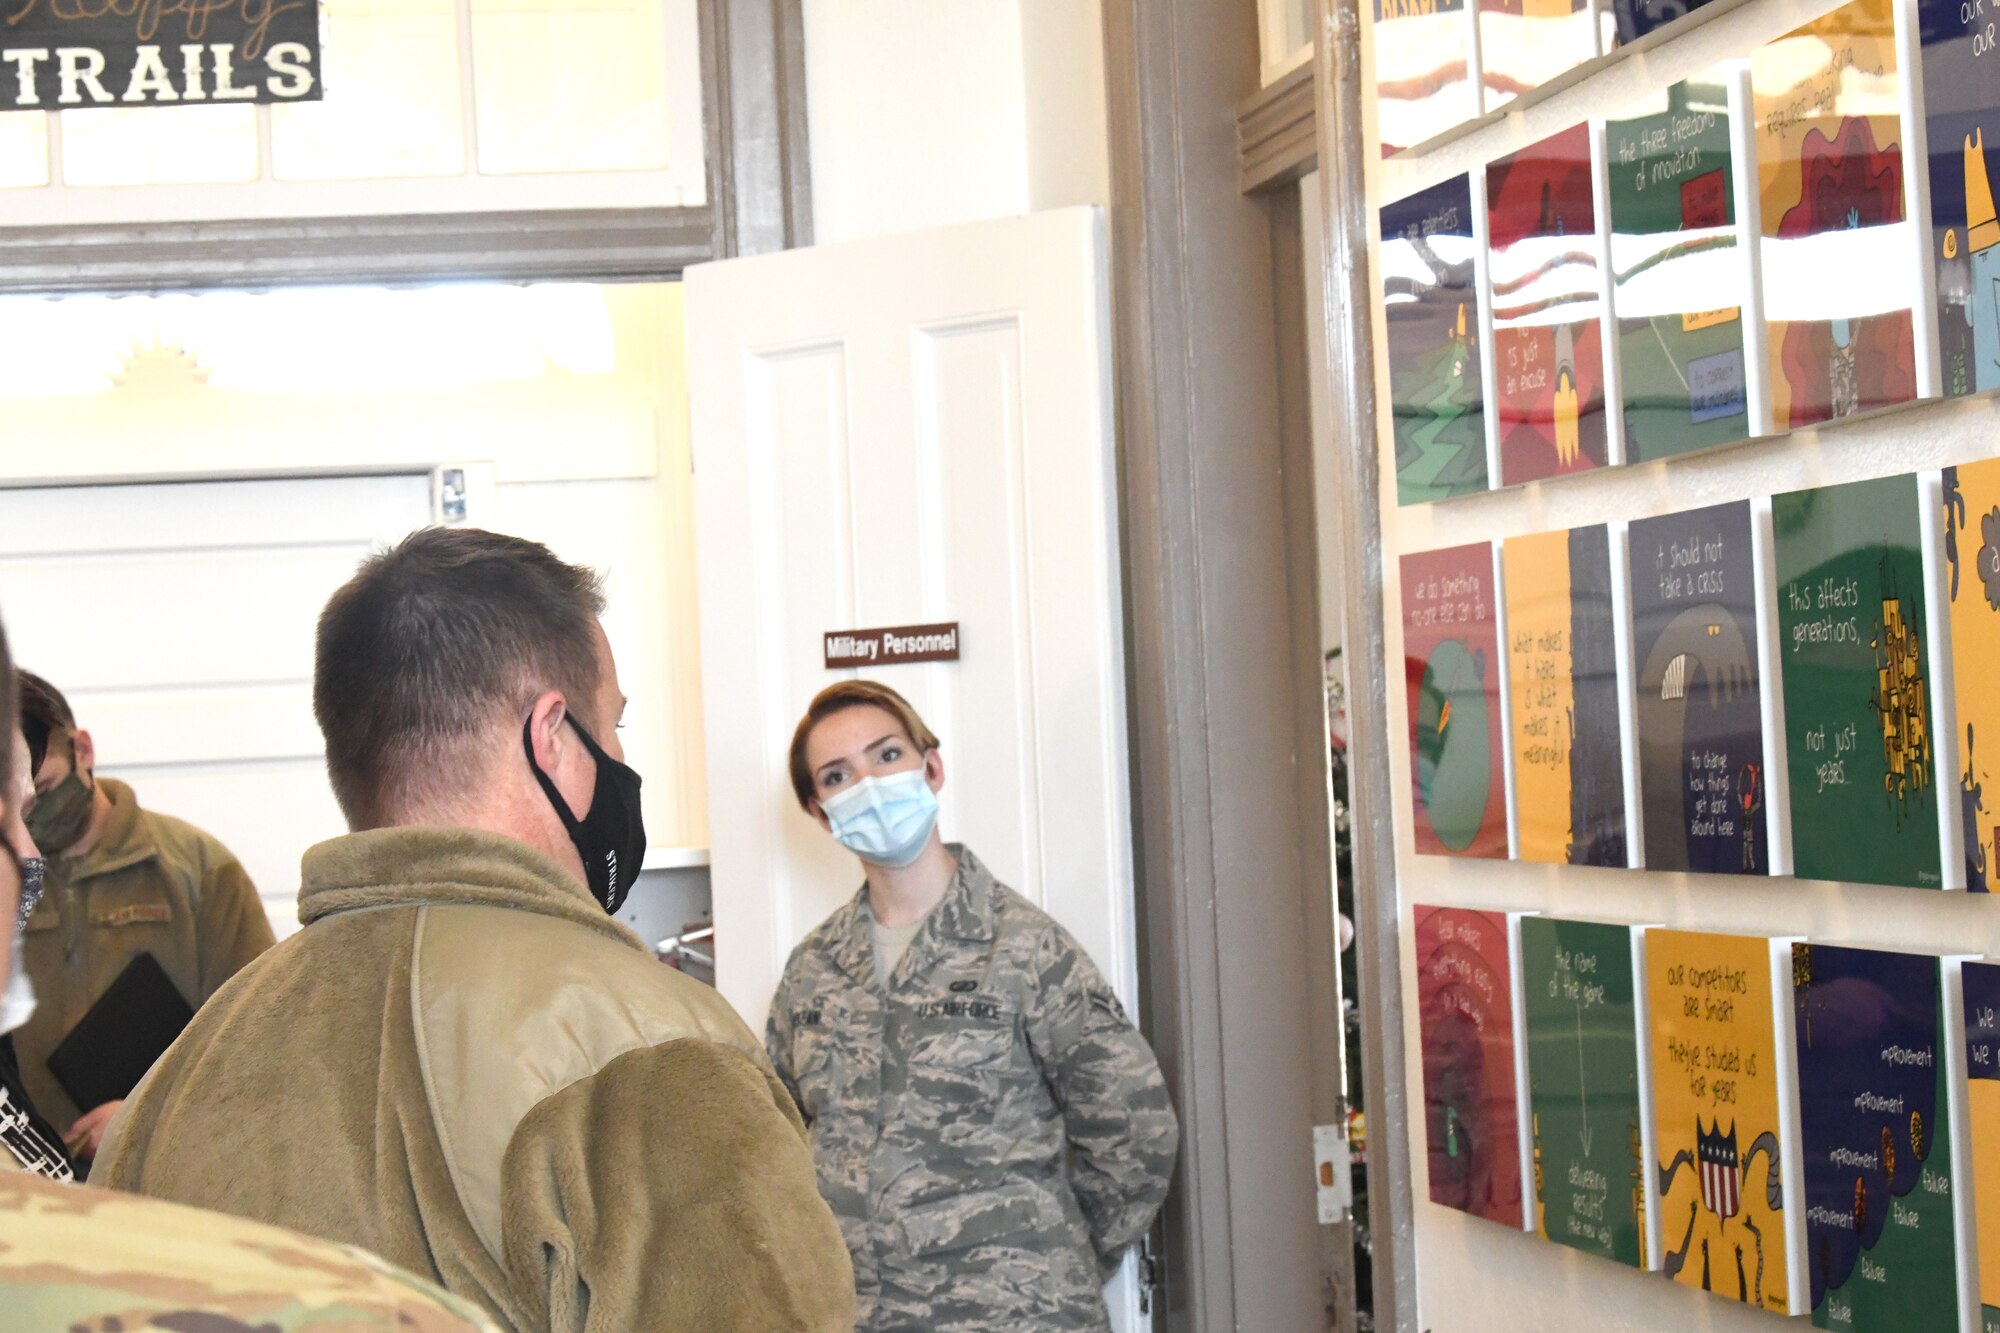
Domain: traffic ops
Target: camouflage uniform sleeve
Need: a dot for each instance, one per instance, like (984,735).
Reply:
(1119,1122)
(232,928)
(778,1036)
(671,1191)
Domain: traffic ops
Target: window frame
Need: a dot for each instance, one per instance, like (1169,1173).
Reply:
(758,198)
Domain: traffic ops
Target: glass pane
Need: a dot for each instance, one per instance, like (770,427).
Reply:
(24,148)
(392,98)
(1287,33)
(569,85)
(182,145)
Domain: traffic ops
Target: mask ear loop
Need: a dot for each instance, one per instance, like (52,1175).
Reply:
(570,822)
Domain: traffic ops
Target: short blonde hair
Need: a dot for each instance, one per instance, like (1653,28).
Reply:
(838,698)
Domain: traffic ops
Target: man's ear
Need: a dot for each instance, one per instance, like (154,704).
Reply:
(545,730)
(86,752)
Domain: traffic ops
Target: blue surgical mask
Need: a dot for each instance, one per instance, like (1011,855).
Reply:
(885,821)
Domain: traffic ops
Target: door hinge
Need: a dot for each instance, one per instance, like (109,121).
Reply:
(1332,1173)
(1149,1273)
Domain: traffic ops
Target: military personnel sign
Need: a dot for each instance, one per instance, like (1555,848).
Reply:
(58,54)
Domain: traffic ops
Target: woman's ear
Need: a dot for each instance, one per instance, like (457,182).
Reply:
(934,768)
(814,809)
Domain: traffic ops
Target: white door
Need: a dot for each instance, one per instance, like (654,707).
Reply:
(178,619)
(896,432)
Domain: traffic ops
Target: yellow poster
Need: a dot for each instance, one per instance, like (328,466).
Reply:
(1972,592)
(1718,1121)
(1543,700)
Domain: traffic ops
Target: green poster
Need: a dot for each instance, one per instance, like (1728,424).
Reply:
(1856,663)
(1679,277)
(1583,1086)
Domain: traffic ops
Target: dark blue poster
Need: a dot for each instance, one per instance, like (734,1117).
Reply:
(1430,303)
(1962,110)
(1697,672)
(1875,1134)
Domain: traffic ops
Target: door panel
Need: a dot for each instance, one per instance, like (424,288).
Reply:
(901,431)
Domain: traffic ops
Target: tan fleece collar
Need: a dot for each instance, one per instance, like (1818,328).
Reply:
(438,867)
(125,841)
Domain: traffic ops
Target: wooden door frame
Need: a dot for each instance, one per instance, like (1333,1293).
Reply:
(1232,809)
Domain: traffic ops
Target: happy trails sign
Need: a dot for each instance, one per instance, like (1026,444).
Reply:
(888,647)
(59,54)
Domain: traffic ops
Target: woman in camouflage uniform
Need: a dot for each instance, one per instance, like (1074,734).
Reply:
(987,1124)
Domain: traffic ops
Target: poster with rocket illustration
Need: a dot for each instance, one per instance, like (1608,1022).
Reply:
(1962,115)
(1548,310)
(1972,595)
(1839,275)
(1523,44)
(1722,1115)
(1699,681)
(1466,1023)
(1680,271)
(1579,1002)
(1451,652)
(1856,670)
(1562,682)
(1423,70)
(1875,1135)
(1981,1175)
(1431,309)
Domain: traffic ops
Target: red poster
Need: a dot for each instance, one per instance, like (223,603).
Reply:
(1451,654)
(1465,1015)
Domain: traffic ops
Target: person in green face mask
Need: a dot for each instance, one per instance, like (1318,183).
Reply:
(122,881)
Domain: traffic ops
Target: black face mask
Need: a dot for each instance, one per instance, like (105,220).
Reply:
(611,839)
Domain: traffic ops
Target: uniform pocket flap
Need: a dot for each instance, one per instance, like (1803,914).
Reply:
(1007,1213)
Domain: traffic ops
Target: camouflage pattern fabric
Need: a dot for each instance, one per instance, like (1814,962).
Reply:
(990,1129)
(85,1260)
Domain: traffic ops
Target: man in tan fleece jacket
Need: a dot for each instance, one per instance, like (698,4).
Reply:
(462,1062)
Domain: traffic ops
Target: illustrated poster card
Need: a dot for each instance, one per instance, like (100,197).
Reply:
(1856,667)
(1962,113)
(1451,652)
(1562,679)
(1874,1131)
(1719,1119)
(1633,19)
(1972,592)
(1578,1003)
(1698,678)
(1423,70)
(1679,274)
(1465,1000)
(1548,326)
(1982,1082)
(1431,309)
(1525,43)
(1839,282)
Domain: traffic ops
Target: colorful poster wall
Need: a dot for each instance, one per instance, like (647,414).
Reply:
(1562,681)
(1856,667)
(1431,309)
(1962,116)
(1972,598)
(1451,651)
(1548,310)
(1579,1004)
(1465,1006)
(1720,1115)
(1523,44)
(1680,273)
(1423,70)
(1982,1080)
(1838,272)
(1875,1135)
(1698,678)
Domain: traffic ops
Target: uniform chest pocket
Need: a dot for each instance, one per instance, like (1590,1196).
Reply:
(964,1044)
(815,1067)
